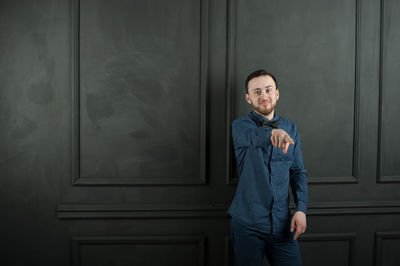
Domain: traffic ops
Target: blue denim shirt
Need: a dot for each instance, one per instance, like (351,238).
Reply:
(262,199)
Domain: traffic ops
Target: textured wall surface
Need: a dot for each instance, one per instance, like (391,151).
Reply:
(115,118)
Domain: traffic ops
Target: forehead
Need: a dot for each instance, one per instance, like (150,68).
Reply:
(261,82)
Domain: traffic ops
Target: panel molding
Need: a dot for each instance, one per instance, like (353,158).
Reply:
(229,83)
(379,238)
(78,211)
(77,242)
(230,74)
(381,177)
(350,237)
(77,179)
(229,256)
(212,210)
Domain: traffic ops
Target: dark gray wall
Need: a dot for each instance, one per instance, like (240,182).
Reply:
(115,117)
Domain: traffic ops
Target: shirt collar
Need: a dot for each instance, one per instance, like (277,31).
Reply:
(260,119)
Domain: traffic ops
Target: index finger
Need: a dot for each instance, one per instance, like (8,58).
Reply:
(286,147)
(296,234)
(288,139)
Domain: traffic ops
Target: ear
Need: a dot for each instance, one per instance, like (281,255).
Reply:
(277,94)
(247,98)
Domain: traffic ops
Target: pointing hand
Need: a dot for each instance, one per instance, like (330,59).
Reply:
(281,139)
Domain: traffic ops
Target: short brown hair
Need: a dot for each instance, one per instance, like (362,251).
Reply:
(258,73)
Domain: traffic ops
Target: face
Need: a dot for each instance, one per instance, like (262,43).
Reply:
(263,94)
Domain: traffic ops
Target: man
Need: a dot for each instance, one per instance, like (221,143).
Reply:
(269,158)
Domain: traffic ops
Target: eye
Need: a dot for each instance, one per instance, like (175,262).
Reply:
(258,92)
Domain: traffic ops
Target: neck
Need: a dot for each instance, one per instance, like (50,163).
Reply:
(267,116)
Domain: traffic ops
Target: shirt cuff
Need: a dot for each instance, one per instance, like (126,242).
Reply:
(301,206)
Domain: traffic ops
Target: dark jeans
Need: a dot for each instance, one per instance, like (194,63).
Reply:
(250,245)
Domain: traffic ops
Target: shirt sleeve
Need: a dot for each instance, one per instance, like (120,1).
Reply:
(298,176)
(246,134)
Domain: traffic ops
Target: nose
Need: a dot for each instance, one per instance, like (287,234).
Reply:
(264,95)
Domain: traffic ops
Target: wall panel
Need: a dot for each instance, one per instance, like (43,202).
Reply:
(139,111)
(387,248)
(138,250)
(389,123)
(313,49)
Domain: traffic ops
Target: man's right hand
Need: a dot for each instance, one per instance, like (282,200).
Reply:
(281,139)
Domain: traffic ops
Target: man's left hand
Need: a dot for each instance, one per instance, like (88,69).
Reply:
(299,224)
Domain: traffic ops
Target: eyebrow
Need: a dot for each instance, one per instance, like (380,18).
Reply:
(269,86)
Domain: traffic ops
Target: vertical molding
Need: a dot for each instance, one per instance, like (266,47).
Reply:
(229,256)
(230,87)
(357,60)
(204,31)
(230,74)
(381,178)
(77,180)
(75,71)
(379,170)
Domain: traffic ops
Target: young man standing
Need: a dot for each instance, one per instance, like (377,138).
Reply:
(269,158)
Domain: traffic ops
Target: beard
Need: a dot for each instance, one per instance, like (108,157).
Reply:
(264,110)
